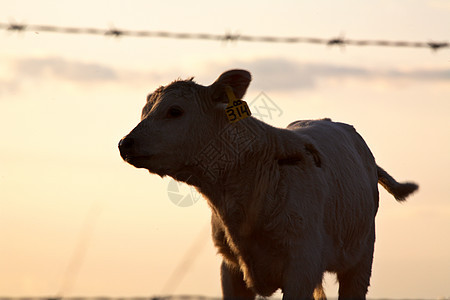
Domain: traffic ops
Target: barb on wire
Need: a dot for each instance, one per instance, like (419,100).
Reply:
(337,41)
(227,37)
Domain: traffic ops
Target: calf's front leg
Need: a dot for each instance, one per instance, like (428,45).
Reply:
(233,284)
(303,277)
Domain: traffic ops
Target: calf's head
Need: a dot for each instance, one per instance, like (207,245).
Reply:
(177,121)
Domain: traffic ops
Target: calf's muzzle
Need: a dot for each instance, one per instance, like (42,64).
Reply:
(126,146)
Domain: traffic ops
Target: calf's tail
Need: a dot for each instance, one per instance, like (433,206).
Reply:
(399,190)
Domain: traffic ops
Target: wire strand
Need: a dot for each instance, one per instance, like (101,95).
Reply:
(227,37)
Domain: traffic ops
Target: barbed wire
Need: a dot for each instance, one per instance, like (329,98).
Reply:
(227,37)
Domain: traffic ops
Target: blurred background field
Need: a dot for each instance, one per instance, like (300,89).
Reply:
(121,298)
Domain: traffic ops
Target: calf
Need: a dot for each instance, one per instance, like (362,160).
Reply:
(287,204)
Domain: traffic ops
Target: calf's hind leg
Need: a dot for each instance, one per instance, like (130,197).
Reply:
(233,284)
(354,282)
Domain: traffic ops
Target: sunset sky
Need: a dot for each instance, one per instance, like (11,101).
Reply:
(75,220)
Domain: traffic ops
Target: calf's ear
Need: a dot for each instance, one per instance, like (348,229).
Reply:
(238,80)
(147,107)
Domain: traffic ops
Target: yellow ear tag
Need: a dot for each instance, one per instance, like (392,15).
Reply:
(236,109)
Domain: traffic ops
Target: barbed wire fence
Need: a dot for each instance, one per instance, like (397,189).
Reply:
(227,37)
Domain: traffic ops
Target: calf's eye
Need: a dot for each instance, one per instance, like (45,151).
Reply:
(175,112)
